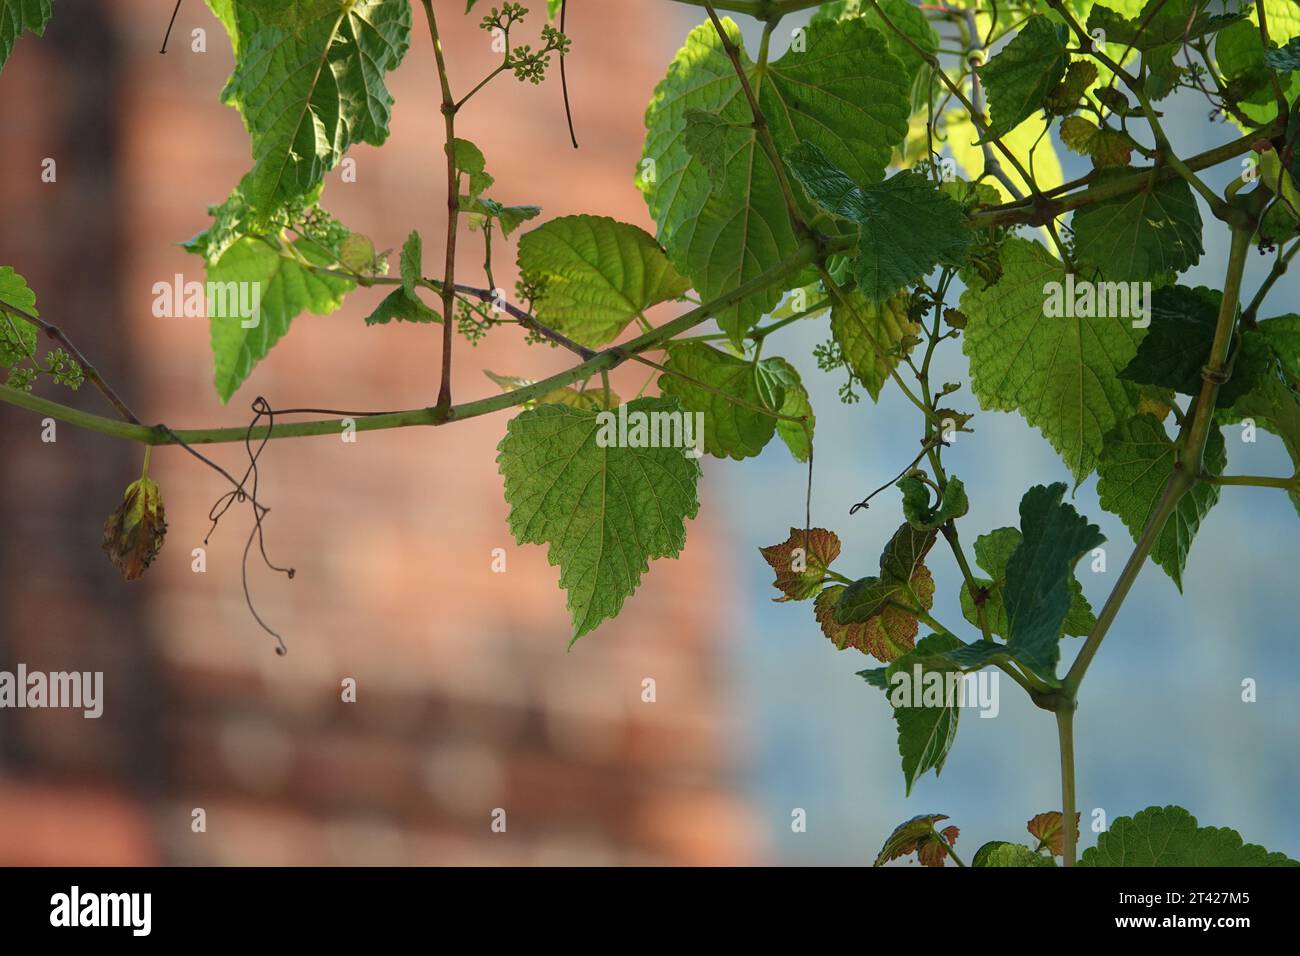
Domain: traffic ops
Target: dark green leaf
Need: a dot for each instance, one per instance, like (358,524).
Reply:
(1021,76)
(1135,465)
(1142,235)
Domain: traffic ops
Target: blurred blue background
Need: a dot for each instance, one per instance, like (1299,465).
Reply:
(1161,719)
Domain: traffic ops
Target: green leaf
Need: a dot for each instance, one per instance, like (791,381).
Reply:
(925,733)
(1021,76)
(1105,147)
(603,512)
(510,218)
(1039,572)
(1178,344)
(795,403)
(861,615)
(412,263)
(705,138)
(916,503)
(471,164)
(17,338)
(310,90)
(1138,460)
(400,307)
(1170,836)
(17,16)
(902,557)
(873,338)
(231,221)
(286,289)
(999,853)
(1286,58)
(845,91)
(730,430)
(591,399)
(905,18)
(1283,335)
(1240,55)
(1037,594)
(906,225)
(357,252)
(597,275)
(992,552)
(1159,23)
(1140,236)
(1274,406)
(1057,371)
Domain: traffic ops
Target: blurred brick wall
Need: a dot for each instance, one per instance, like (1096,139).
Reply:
(467,699)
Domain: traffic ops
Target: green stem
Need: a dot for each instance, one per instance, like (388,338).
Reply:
(1188,466)
(761,131)
(607,359)
(1039,210)
(1065,735)
(950,535)
(453,211)
(1291,484)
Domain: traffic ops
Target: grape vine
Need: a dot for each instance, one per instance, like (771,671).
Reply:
(894,175)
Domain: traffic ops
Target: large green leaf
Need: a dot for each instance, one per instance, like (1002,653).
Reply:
(17,16)
(844,91)
(906,226)
(603,512)
(1138,460)
(906,18)
(1158,23)
(1040,570)
(992,552)
(1059,372)
(1037,594)
(286,289)
(1022,75)
(1142,235)
(1170,836)
(872,338)
(707,380)
(925,733)
(309,84)
(596,275)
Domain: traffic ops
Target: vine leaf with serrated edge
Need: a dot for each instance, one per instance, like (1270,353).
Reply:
(604,510)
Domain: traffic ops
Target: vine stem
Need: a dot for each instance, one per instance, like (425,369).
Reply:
(976,116)
(56,333)
(807,252)
(761,130)
(1291,484)
(1195,434)
(449,108)
(1065,734)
